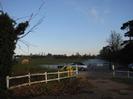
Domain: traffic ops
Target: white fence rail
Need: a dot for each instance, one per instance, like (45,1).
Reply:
(45,77)
(123,74)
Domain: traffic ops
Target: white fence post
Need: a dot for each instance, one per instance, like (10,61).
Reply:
(113,67)
(46,77)
(29,79)
(76,70)
(58,76)
(7,82)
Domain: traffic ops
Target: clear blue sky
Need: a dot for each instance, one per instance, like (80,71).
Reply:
(70,26)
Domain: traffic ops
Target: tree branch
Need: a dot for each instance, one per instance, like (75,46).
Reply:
(32,28)
(32,16)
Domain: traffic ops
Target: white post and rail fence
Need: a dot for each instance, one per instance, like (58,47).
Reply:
(122,74)
(29,79)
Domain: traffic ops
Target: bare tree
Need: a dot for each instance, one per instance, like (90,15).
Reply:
(114,41)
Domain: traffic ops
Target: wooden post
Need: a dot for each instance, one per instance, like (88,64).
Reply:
(46,77)
(29,79)
(58,76)
(7,82)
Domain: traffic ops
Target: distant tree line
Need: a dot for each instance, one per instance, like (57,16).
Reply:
(119,50)
(63,56)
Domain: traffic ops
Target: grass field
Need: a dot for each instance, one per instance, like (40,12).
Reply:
(34,66)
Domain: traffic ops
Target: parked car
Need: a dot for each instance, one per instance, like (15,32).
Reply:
(130,66)
(80,66)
